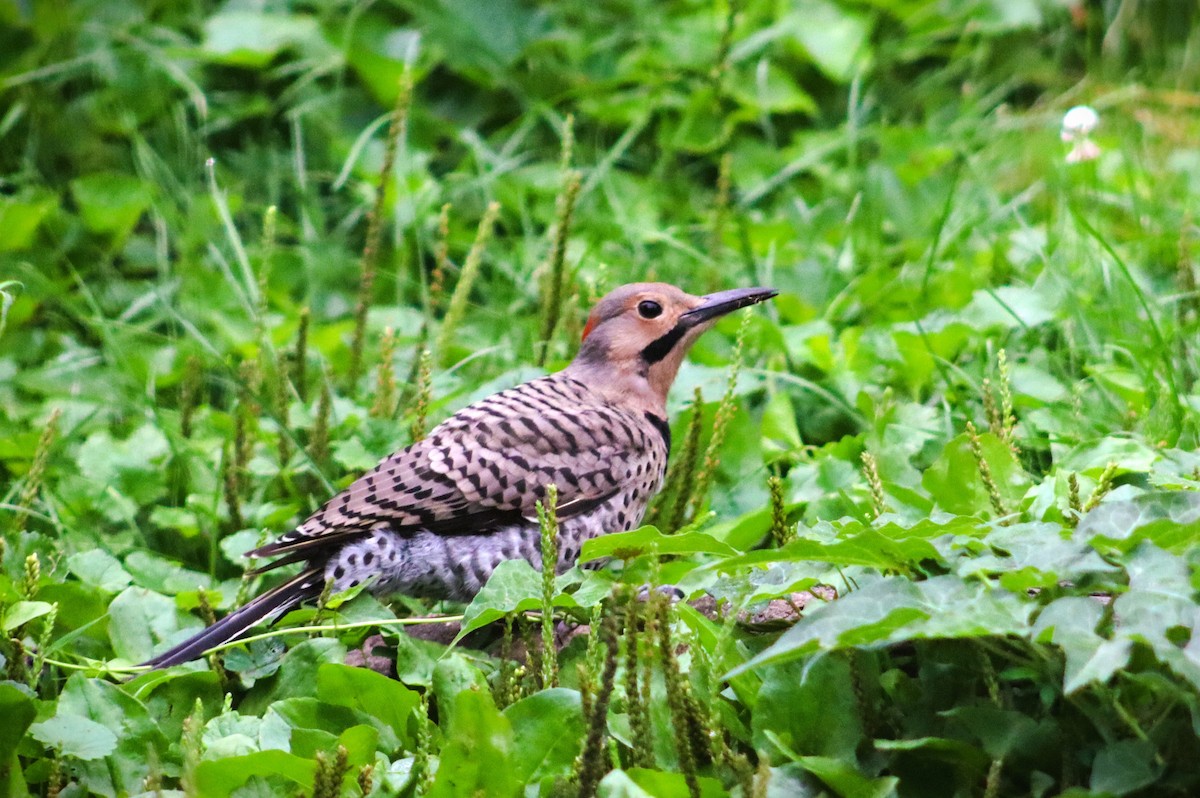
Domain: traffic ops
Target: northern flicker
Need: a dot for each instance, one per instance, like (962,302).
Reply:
(435,519)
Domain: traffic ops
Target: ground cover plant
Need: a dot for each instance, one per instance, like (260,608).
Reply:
(935,509)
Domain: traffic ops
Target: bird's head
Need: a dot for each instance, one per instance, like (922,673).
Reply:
(641,331)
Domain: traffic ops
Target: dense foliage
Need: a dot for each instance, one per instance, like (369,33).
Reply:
(247,249)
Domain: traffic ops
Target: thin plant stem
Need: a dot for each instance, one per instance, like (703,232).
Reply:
(724,415)
(556,263)
(386,391)
(684,470)
(457,308)
(374,240)
(547,512)
(37,469)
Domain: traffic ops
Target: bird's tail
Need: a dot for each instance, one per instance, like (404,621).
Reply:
(268,606)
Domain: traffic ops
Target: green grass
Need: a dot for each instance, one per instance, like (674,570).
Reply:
(184,201)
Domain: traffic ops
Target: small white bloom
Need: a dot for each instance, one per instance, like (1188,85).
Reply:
(1078,122)
(1077,125)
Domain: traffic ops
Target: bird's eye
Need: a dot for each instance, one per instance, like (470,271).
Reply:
(649,309)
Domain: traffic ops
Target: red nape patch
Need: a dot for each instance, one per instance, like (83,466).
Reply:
(587,328)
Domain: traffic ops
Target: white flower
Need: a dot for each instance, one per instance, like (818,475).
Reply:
(1078,122)
(1077,125)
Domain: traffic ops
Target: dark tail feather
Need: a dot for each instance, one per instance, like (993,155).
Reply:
(273,603)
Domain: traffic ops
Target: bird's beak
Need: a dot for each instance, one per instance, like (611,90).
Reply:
(722,302)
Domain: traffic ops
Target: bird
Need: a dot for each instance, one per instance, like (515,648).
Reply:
(436,518)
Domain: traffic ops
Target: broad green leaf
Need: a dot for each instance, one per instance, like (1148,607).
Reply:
(1037,383)
(1158,610)
(481,39)
(894,610)
(18,711)
(75,736)
(548,731)
(743,588)
(626,545)
(918,363)
(371,693)
(416,660)
(618,784)
(185,522)
(1007,307)
(220,778)
(954,752)
(1107,659)
(163,575)
(1032,554)
(311,726)
(1070,623)
(1124,766)
(254,38)
(1168,519)
(256,660)
(1151,568)
(232,734)
(744,532)
(766,88)
(513,587)
(140,622)
(955,482)
(235,546)
(454,674)
(171,697)
(1091,458)
(98,568)
(779,431)
(796,697)
(834,37)
(871,548)
(845,780)
(1002,733)
(111,202)
(839,775)
(1129,385)
(477,756)
(379,52)
(21,216)
(81,611)
(353,456)
(673,785)
(130,469)
(315,725)
(21,613)
(125,768)
(297,675)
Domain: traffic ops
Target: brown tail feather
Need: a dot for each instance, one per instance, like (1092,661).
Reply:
(269,605)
